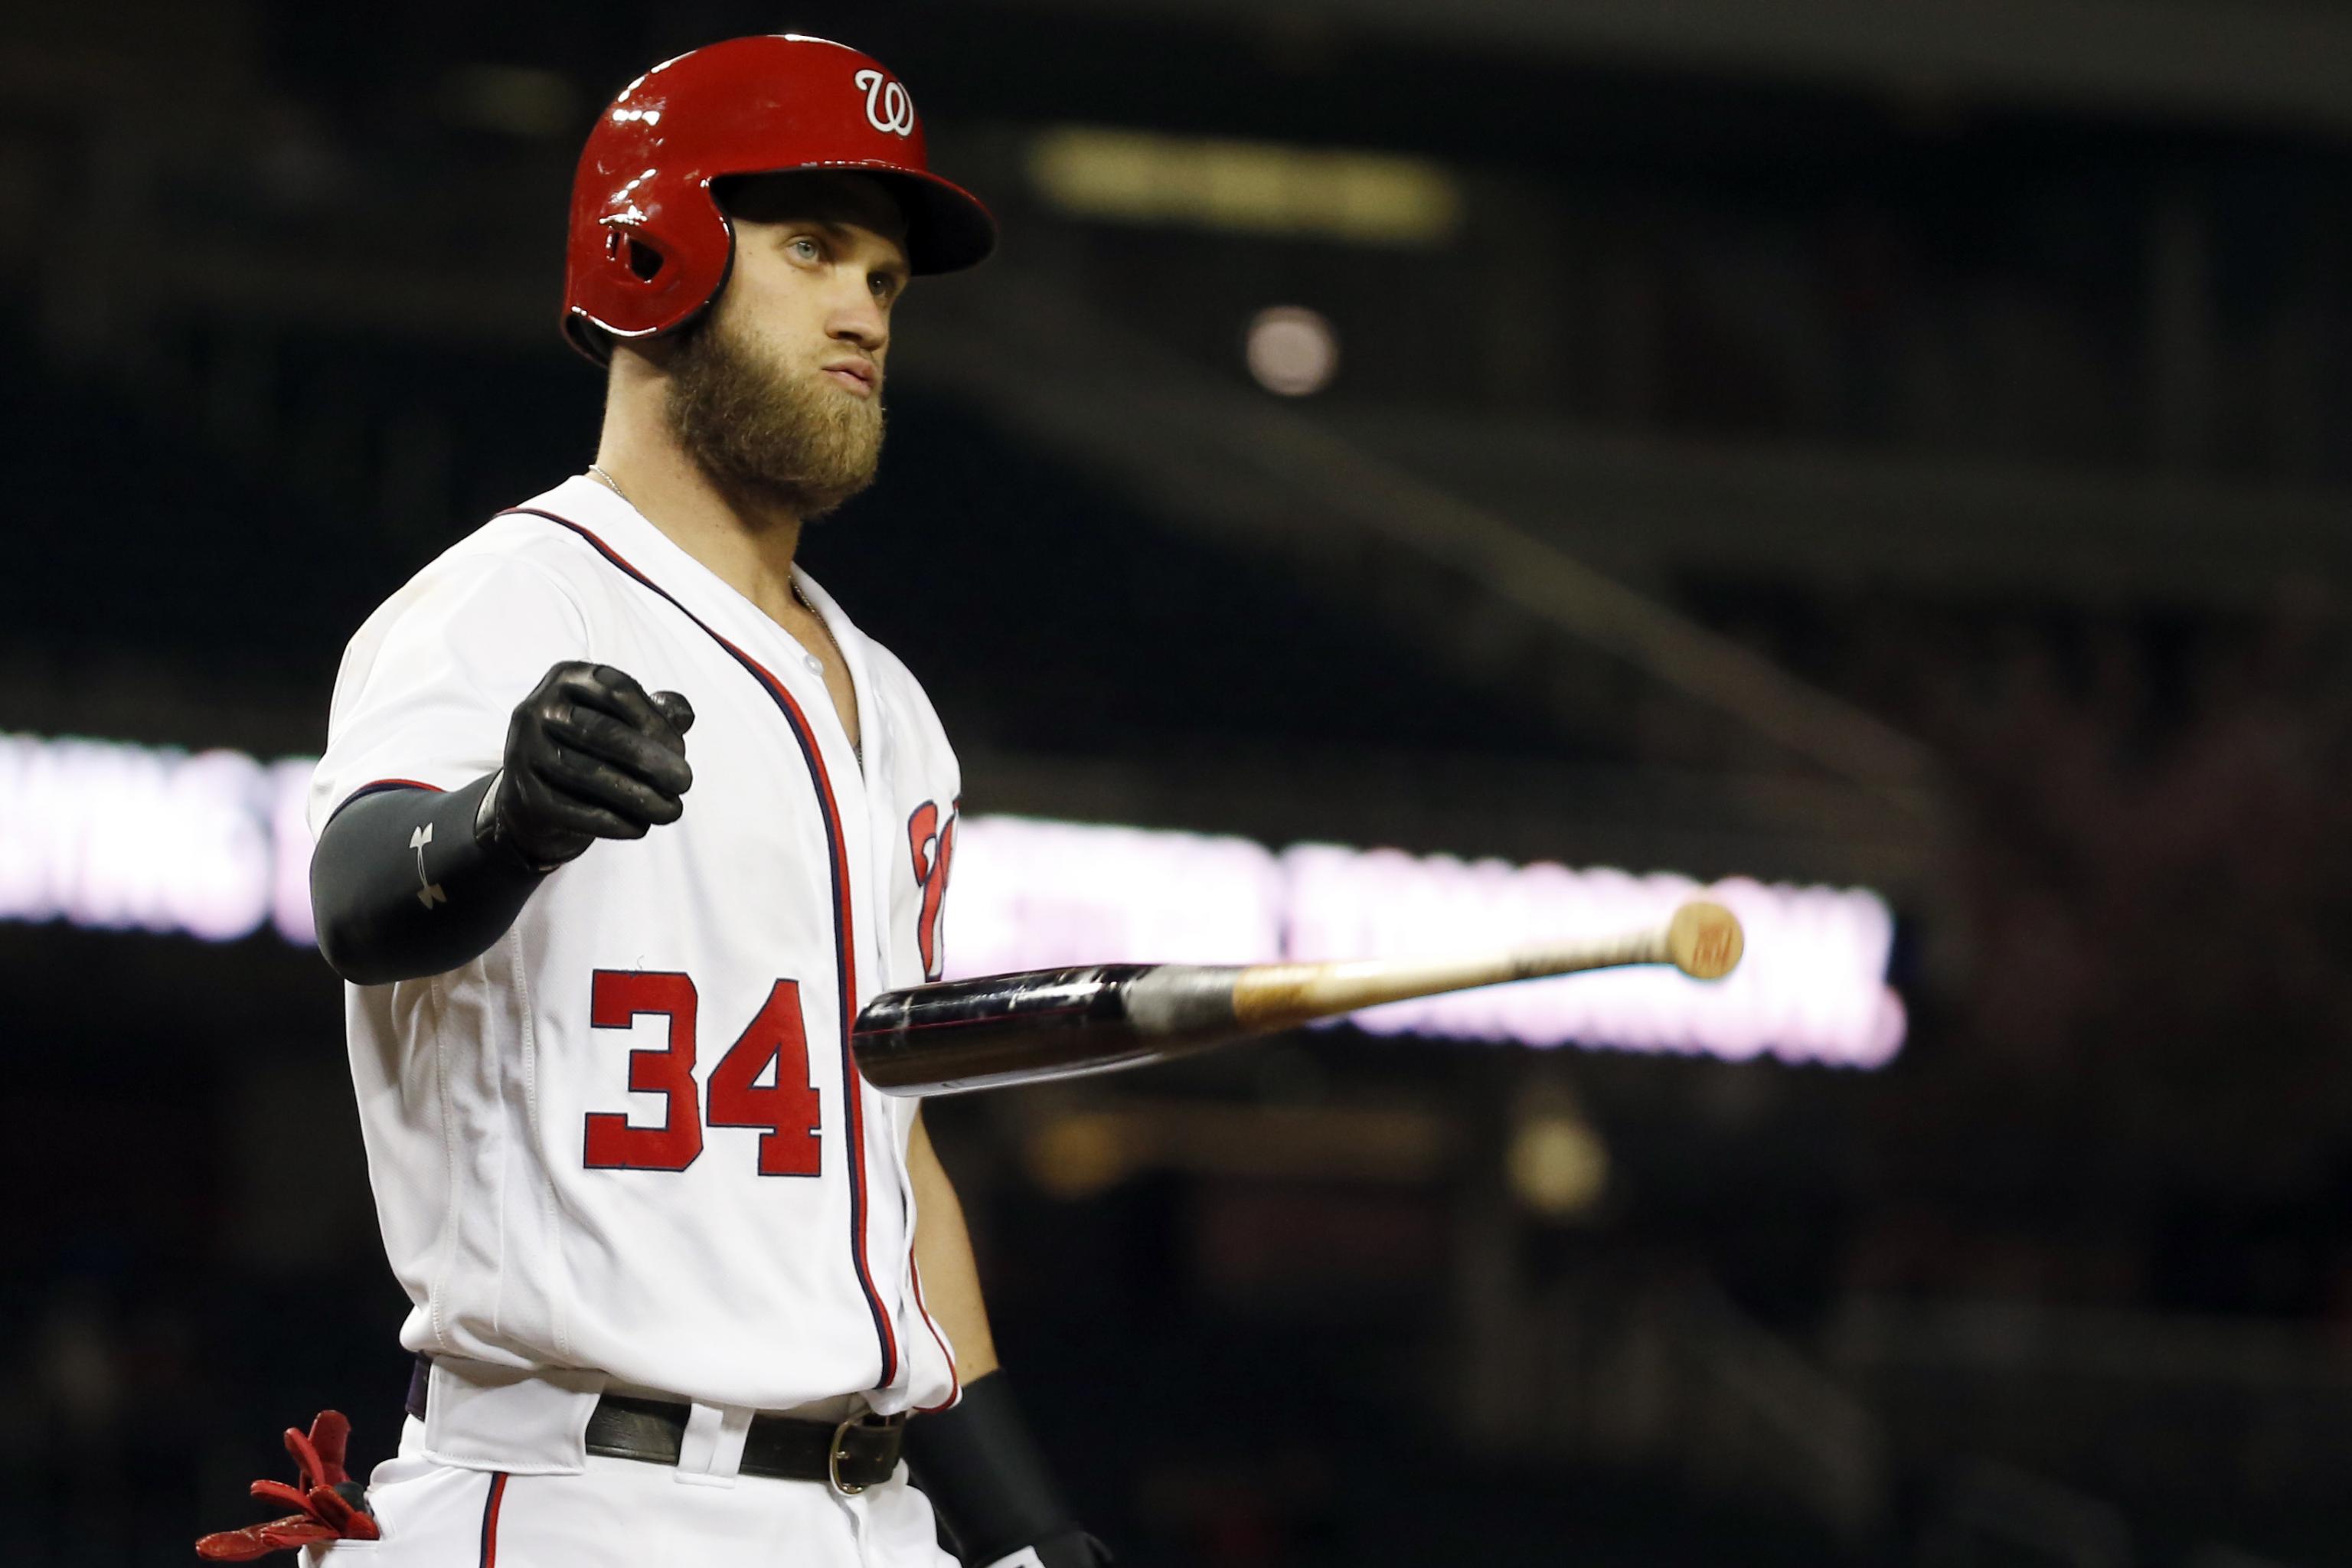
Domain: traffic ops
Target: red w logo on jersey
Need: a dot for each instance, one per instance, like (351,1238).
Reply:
(932,842)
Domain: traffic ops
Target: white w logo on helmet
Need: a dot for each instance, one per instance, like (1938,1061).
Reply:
(888,105)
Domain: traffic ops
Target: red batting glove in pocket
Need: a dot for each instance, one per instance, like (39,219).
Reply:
(329,1505)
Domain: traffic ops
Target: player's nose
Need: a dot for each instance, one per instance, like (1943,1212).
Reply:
(863,329)
(858,319)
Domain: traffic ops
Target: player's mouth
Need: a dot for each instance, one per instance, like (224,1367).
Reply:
(857,374)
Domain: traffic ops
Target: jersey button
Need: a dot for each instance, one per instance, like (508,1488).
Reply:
(813,662)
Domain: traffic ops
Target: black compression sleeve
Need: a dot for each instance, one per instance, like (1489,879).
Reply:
(400,887)
(983,1473)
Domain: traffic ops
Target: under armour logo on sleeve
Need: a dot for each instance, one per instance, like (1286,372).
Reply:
(429,892)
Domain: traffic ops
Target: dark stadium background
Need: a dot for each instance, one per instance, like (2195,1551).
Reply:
(1985,368)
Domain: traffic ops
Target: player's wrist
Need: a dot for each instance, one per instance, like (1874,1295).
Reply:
(495,837)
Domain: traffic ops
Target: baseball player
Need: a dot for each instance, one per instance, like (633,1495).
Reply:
(620,821)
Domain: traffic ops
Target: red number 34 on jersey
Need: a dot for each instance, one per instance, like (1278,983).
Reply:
(785,1109)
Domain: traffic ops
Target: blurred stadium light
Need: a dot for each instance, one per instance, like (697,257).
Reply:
(1292,351)
(517,100)
(113,836)
(1258,187)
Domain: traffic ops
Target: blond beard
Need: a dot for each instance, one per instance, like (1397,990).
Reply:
(765,433)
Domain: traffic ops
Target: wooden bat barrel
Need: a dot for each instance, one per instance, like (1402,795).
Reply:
(1044,1023)
(967,1035)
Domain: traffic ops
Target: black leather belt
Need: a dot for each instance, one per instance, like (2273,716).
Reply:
(848,1455)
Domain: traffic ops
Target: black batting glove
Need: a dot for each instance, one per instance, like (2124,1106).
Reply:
(589,756)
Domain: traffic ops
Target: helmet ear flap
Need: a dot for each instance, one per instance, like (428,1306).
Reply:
(633,280)
(642,260)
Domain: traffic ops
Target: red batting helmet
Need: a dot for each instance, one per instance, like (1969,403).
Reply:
(649,244)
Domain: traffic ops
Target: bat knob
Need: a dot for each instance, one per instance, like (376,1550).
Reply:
(1705,940)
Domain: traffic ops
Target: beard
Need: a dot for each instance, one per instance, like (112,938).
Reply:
(764,433)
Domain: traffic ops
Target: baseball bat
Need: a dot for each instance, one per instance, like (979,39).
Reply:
(1042,1024)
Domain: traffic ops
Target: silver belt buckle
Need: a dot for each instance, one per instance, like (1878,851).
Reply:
(835,1454)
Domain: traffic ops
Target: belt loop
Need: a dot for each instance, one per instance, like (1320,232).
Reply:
(710,1453)
(478,1417)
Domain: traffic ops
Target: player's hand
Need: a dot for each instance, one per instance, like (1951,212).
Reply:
(589,756)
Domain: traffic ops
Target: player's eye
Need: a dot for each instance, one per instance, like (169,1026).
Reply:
(885,286)
(803,248)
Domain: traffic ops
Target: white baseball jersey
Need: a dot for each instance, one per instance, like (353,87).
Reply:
(630,1137)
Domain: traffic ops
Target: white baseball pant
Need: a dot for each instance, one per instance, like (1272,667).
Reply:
(625,1514)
